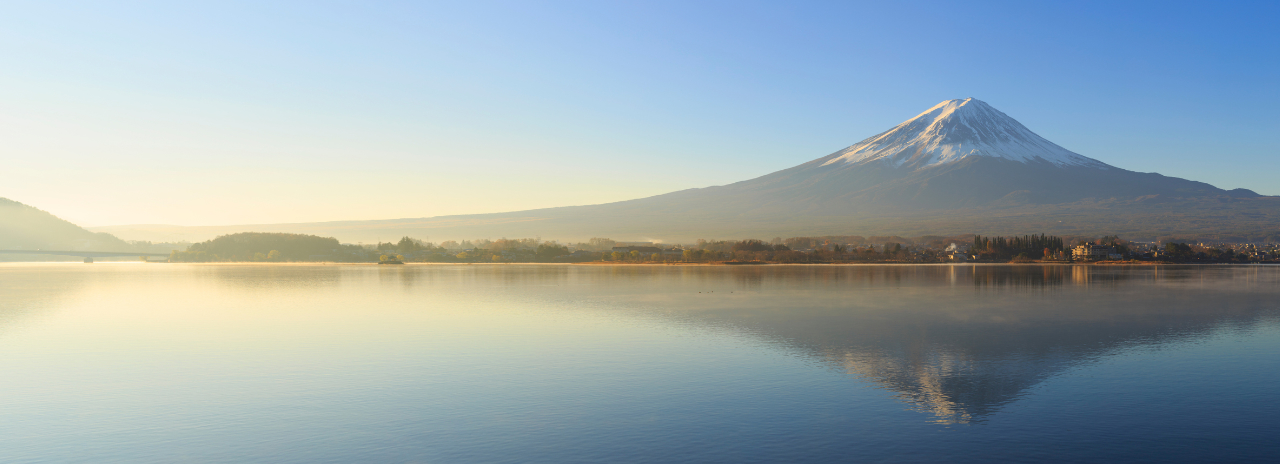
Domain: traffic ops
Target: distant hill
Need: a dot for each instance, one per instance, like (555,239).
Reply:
(260,246)
(959,167)
(23,227)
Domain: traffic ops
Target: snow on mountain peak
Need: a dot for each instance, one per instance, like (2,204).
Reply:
(954,130)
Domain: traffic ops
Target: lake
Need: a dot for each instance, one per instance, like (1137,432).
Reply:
(131,362)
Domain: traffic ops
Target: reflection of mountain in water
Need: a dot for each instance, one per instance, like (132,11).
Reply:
(30,289)
(960,342)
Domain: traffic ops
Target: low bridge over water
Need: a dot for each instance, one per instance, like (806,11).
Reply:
(87,255)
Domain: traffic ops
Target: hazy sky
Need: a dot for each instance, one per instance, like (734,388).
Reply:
(224,113)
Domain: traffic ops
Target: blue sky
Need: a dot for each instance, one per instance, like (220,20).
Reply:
(224,112)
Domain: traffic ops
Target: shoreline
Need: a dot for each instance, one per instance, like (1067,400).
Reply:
(599,263)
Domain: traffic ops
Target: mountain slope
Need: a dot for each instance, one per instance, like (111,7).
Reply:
(24,227)
(959,167)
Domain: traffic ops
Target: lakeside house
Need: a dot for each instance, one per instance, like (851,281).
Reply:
(1090,252)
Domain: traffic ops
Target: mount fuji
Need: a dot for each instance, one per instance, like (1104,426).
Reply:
(961,166)
(958,154)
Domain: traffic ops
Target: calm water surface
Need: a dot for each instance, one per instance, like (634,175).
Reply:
(562,364)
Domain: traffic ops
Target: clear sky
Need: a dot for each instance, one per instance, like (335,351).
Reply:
(268,112)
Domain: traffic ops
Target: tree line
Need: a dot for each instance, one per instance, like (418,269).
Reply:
(281,247)
(1026,246)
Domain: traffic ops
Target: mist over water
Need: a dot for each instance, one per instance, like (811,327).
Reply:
(510,363)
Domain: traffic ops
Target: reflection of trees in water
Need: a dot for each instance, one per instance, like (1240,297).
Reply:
(1017,277)
(277,277)
(27,290)
(749,279)
(271,277)
(1000,277)
(502,275)
(1033,277)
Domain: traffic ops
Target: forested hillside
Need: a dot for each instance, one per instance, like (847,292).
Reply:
(24,227)
(259,246)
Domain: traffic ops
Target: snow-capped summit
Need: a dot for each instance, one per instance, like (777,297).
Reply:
(954,130)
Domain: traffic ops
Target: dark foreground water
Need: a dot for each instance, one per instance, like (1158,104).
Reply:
(563,364)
